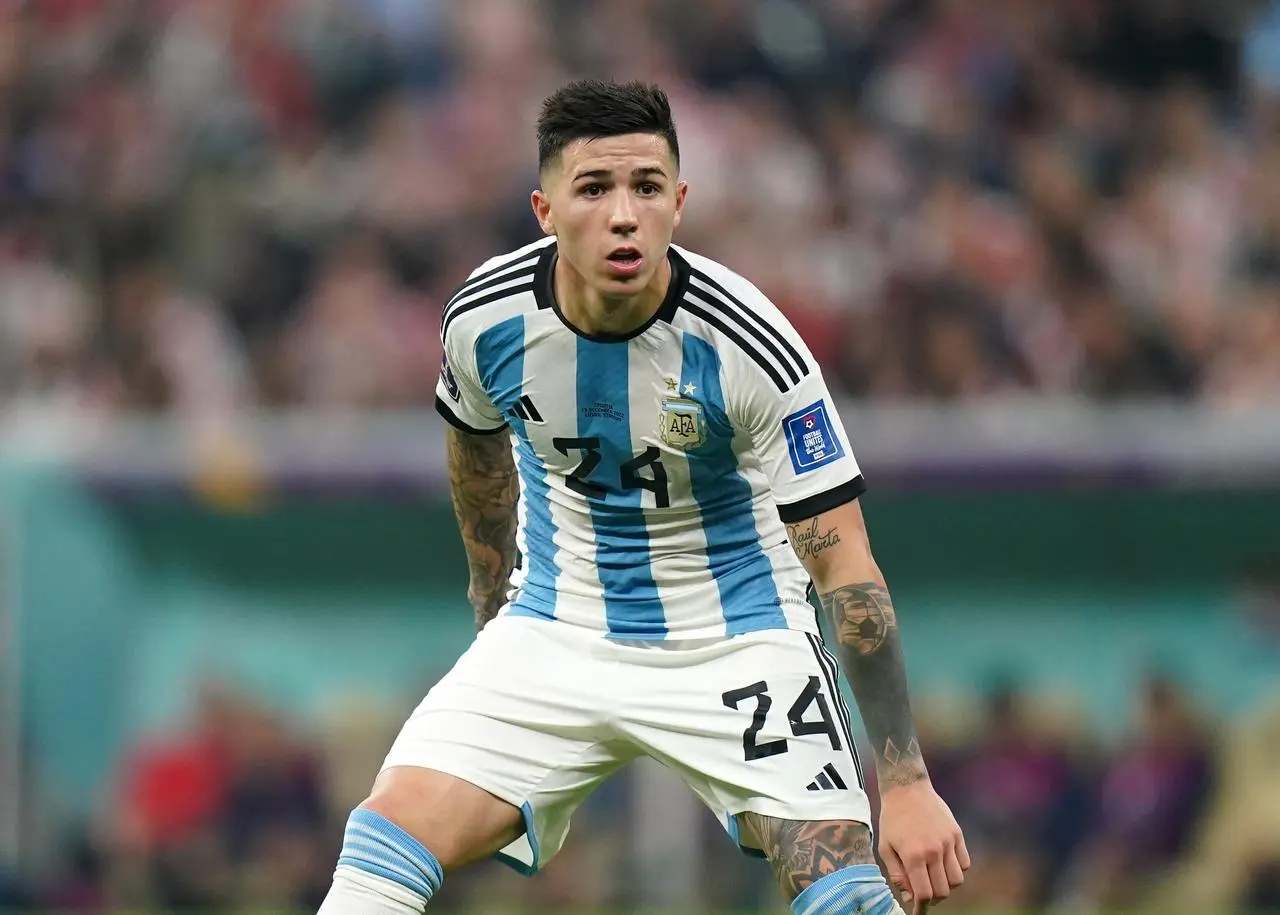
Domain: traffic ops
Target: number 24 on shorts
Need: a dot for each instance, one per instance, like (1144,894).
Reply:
(810,695)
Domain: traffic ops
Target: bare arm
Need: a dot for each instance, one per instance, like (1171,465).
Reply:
(484,489)
(835,551)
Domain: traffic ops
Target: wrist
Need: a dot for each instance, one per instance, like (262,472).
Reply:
(889,778)
(901,768)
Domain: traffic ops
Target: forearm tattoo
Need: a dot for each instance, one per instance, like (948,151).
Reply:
(484,489)
(870,647)
(801,853)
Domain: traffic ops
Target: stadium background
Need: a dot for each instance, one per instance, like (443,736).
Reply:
(1035,245)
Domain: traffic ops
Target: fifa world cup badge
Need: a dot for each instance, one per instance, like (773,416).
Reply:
(683,424)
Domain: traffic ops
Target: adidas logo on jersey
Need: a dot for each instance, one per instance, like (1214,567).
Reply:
(827,780)
(524,409)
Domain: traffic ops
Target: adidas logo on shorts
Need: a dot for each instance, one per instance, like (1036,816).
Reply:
(828,780)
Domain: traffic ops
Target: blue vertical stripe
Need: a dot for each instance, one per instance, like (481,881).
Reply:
(500,360)
(743,574)
(632,606)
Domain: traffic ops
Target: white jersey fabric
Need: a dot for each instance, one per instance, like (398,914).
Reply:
(657,470)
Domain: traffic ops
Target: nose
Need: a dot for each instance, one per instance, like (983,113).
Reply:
(622,219)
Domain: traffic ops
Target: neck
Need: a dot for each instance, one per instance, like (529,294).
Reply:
(595,313)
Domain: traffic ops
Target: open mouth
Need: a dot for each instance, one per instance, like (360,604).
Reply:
(625,257)
(625,263)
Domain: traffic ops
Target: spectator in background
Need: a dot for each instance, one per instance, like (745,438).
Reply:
(274,822)
(162,840)
(1236,861)
(46,322)
(228,811)
(171,350)
(1020,796)
(361,339)
(1151,802)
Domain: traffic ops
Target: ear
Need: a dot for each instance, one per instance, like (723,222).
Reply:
(542,211)
(682,188)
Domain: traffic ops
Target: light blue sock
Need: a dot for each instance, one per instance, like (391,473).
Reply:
(377,846)
(857,890)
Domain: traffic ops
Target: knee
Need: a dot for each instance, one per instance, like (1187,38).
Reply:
(415,814)
(459,822)
(857,890)
(374,846)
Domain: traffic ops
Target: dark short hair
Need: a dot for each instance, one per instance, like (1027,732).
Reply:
(593,108)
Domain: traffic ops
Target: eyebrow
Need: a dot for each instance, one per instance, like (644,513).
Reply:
(647,171)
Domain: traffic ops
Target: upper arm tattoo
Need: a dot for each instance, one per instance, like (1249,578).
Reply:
(870,647)
(484,489)
(810,539)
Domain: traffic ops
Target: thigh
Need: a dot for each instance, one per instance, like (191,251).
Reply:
(755,724)
(802,852)
(521,718)
(457,821)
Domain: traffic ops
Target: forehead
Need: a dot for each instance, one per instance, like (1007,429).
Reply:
(617,154)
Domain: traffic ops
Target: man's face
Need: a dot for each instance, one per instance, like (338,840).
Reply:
(613,204)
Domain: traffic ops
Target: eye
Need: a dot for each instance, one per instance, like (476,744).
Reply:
(648,189)
(592,190)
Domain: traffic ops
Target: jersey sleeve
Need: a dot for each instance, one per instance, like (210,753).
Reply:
(801,445)
(460,397)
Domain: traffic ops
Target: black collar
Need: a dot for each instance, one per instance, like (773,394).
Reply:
(545,292)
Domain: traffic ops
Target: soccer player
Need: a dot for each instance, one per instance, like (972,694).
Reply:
(648,471)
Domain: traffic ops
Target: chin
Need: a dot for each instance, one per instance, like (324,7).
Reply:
(617,288)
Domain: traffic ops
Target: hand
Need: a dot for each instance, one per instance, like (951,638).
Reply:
(921,844)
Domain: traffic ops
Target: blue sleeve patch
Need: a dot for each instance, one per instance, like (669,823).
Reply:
(811,441)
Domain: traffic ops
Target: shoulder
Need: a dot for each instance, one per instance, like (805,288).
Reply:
(510,260)
(743,323)
(498,289)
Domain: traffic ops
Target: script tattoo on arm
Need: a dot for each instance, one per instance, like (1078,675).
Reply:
(802,853)
(809,541)
(484,490)
(870,647)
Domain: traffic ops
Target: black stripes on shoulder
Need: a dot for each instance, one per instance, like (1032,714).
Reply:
(517,259)
(767,346)
(694,307)
(514,275)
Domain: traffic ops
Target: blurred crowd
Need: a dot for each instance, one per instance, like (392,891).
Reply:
(241,808)
(211,203)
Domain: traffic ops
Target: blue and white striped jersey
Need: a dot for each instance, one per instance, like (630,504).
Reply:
(656,471)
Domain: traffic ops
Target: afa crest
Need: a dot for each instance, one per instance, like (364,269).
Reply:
(683,424)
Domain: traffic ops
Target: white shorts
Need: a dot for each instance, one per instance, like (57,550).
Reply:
(538,713)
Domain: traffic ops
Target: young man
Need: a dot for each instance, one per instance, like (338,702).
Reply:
(648,471)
